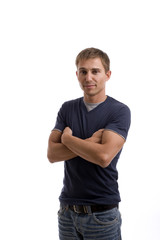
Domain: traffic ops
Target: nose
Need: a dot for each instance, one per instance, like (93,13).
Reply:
(89,76)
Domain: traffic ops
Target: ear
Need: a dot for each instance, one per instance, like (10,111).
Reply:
(108,75)
(76,73)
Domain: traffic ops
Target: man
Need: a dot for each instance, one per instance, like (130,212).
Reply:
(88,136)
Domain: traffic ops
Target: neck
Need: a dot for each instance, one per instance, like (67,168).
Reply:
(94,99)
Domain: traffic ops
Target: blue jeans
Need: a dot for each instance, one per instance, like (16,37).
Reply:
(99,225)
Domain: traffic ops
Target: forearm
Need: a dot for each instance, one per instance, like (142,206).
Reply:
(62,148)
(87,149)
(58,152)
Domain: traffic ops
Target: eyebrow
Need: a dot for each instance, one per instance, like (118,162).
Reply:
(83,68)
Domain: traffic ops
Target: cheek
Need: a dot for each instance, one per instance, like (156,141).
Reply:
(102,81)
(80,84)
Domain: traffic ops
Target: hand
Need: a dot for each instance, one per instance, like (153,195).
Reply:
(96,137)
(67,131)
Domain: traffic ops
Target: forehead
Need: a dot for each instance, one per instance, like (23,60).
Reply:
(90,63)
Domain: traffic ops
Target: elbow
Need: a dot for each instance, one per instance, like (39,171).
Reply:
(51,160)
(104,161)
(50,157)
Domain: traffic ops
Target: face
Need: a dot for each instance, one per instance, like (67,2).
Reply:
(92,79)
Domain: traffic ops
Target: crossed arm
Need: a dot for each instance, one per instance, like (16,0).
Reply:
(100,148)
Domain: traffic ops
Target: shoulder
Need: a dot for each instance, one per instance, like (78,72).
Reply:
(68,106)
(72,105)
(120,117)
(72,102)
(120,112)
(118,106)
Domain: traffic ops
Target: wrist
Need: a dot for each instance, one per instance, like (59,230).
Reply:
(89,139)
(93,139)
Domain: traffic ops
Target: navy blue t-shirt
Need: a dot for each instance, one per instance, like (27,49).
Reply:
(86,183)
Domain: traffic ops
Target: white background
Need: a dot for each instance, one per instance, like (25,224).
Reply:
(39,41)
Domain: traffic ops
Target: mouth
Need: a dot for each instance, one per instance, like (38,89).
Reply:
(89,86)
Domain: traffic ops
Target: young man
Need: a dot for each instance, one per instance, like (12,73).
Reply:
(88,136)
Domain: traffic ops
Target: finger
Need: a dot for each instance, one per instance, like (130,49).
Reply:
(101,130)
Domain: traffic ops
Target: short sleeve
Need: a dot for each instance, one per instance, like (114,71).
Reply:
(60,122)
(120,121)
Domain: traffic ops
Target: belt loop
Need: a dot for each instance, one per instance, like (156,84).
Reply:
(87,209)
(63,206)
(67,207)
(75,209)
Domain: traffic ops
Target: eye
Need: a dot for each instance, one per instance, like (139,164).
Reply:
(95,71)
(83,72)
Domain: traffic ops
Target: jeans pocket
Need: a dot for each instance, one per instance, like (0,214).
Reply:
(61,212)
(109,217)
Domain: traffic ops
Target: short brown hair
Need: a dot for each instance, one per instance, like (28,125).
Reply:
(94,53)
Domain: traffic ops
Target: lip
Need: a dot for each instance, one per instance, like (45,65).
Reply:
(89,85)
